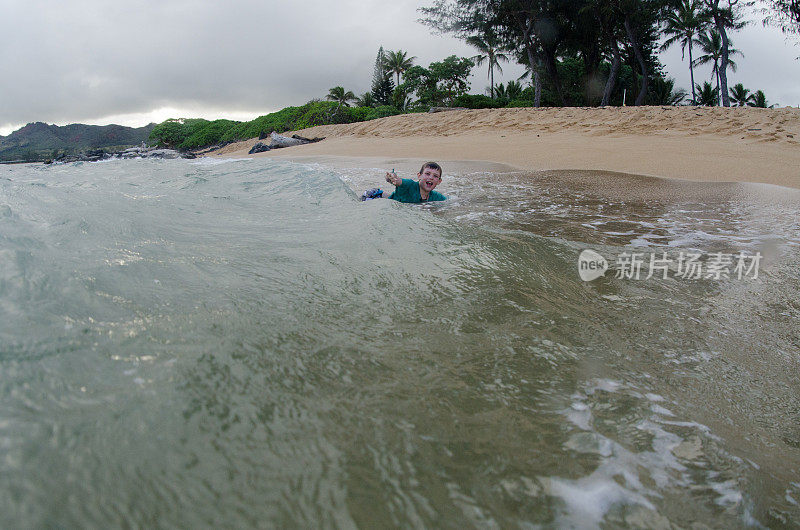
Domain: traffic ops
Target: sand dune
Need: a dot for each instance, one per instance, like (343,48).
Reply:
(706,144)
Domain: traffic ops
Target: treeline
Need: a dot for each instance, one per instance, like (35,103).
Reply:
(602,38)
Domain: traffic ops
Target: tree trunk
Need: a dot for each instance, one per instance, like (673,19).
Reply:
(552,72)
(591,58)
(640,59)
(691,74)
(723,67)
(491,77)
(533,61)
(613,74)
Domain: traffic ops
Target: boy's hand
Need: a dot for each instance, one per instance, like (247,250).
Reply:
(393,179)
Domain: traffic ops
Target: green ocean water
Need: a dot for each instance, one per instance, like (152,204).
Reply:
(243,343)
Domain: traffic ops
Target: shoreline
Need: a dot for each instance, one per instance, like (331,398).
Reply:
(696,144)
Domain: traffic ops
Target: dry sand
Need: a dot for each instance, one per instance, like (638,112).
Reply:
(702,144)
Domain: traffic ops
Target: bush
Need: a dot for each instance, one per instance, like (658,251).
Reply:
(382,112)
(209,134)
(476,101)
(276,121)
(195,133)
(173,132)
(360,113)
(521,103)
(321,113)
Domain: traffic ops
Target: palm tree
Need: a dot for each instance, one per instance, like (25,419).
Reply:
(682,25)
(398,63)
(400,99)
(499,92)
(759,100)
(338,94)
(514,90)
(711,44)
(663,92)
(740,95)
(707,95)
(490,53)
(366,100)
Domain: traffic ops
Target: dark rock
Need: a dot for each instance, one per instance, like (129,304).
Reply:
(259,148)
(263,135)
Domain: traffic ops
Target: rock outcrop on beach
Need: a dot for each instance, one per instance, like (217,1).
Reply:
(278,141)
(95,155)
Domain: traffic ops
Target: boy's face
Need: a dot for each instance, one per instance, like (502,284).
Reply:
(429,179)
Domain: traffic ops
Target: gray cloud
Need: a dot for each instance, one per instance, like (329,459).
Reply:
(81,60)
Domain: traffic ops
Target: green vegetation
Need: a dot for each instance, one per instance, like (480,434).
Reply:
(603,36)
(341,97)
(707,95)
(195,133)
(490,52)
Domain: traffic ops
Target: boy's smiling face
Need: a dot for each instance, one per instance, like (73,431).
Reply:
(429,179)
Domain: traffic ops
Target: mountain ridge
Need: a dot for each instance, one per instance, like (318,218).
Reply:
(39,141)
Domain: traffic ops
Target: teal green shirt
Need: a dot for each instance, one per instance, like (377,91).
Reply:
(408,191)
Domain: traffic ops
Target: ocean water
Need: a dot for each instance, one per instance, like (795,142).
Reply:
(242,343)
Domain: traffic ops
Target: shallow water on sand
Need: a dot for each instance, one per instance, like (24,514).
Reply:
(244,343)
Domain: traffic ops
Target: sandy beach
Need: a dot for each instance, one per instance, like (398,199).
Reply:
(700,144)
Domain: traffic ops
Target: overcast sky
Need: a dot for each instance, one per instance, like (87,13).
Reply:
(138,61)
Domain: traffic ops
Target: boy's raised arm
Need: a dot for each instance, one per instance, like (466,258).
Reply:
(393,179)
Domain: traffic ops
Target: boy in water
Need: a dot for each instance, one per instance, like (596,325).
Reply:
(414,191)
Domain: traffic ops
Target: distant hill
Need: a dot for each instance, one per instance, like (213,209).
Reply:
(39,141)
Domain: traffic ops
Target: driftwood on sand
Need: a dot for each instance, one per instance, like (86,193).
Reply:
(278,141)
(445,109)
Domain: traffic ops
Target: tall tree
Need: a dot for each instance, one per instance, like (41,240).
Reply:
(490,53)
(682,24)
(440,83)
(382,85)
(726,15)
(712,48)
(534,72)
(640,19)
(535,26)
(586,35)
(608,16)
(451,76)
(783,14)
(366,100)
(398,62)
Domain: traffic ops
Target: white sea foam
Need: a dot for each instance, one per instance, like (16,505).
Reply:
(209,161)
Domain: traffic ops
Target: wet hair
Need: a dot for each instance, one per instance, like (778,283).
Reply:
(432,165)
